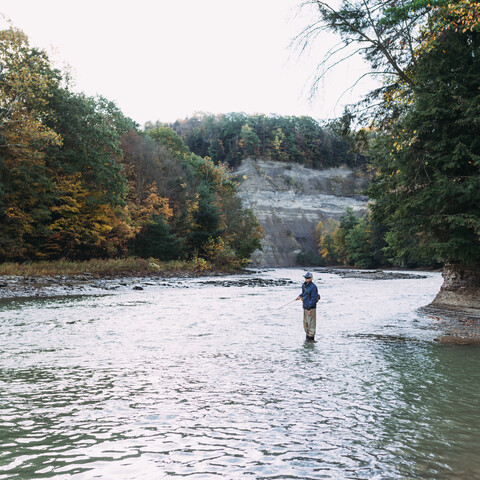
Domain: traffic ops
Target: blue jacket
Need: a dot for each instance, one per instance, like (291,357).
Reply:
(309,296)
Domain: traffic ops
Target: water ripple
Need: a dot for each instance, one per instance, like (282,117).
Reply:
(134,387)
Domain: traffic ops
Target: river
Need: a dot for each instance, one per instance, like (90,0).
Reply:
(210,378)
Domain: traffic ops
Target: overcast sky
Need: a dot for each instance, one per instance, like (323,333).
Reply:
(166,59)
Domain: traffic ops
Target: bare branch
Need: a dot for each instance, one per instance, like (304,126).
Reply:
(321,75)
(377,42)
(354,85)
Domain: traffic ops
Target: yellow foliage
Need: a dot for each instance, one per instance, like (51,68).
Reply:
(24,92)
(199,264)
(324,233)
(79,222)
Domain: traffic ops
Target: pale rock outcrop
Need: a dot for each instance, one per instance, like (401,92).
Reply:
(461,287)
(289,200)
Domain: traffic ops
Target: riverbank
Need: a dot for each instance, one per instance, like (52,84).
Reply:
(129,266)
(86,284)
(455,326)
(62,277)
(43,287)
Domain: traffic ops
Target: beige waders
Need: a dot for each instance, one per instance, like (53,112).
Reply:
(310,322)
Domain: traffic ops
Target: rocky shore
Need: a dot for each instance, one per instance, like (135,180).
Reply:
(23,287)
(60,285)
(370,274)
(455,325)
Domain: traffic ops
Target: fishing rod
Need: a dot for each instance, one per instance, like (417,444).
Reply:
(275,309)
(285,304)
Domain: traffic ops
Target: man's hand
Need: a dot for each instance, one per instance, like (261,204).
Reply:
(308,312)
(298,298)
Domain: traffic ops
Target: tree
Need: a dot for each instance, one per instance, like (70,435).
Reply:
(156,239)
(324,237)
(249,141)
(206,220)
(210,217)
(427,157)
(87,169)
(428,184)
(366,28)
(80,228)
(347,223)
(358,245)
(91,144)
(240,228)
(26,79)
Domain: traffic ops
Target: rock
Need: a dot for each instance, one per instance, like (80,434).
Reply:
(250,282)
(461,287)
(370,274)
(137,287)
(289,200)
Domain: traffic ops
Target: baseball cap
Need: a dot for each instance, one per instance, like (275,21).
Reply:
(308,275)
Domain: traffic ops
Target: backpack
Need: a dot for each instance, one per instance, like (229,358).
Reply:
(317,299)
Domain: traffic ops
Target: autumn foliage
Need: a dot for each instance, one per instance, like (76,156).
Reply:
(79,180)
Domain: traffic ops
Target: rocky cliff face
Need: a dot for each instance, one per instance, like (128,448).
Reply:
(289,201)
(461,287)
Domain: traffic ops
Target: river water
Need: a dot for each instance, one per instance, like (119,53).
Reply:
(215,380)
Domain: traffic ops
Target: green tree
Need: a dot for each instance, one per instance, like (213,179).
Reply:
(87,169)
(91,144)
(358,245)
(240,228)
(428,184)
(206,220)
(347,223)
(156,239)
(249,142)
(427,55)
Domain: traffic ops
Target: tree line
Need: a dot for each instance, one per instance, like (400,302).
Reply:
(231,137)
(80,180)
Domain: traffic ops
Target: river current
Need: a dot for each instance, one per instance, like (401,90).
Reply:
(204,380)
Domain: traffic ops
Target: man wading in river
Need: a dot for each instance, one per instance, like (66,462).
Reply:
(309,297)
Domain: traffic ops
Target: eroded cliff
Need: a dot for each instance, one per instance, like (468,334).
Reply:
(289,201)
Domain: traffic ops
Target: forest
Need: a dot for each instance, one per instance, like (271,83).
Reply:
(79,180)
(230,137)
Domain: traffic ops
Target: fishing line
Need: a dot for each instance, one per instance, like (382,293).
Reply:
(286,304)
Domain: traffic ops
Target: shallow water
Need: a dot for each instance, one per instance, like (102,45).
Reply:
(206,381)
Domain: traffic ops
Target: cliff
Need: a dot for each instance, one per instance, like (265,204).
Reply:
(289,200)
(461,287)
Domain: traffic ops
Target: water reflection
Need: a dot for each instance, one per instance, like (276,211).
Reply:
(127,386)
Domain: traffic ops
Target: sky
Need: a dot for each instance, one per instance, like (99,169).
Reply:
(163,60)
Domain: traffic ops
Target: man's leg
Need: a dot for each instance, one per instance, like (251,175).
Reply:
(305,322)
(312,324)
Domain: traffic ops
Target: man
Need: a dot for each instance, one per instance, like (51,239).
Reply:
(309,297)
